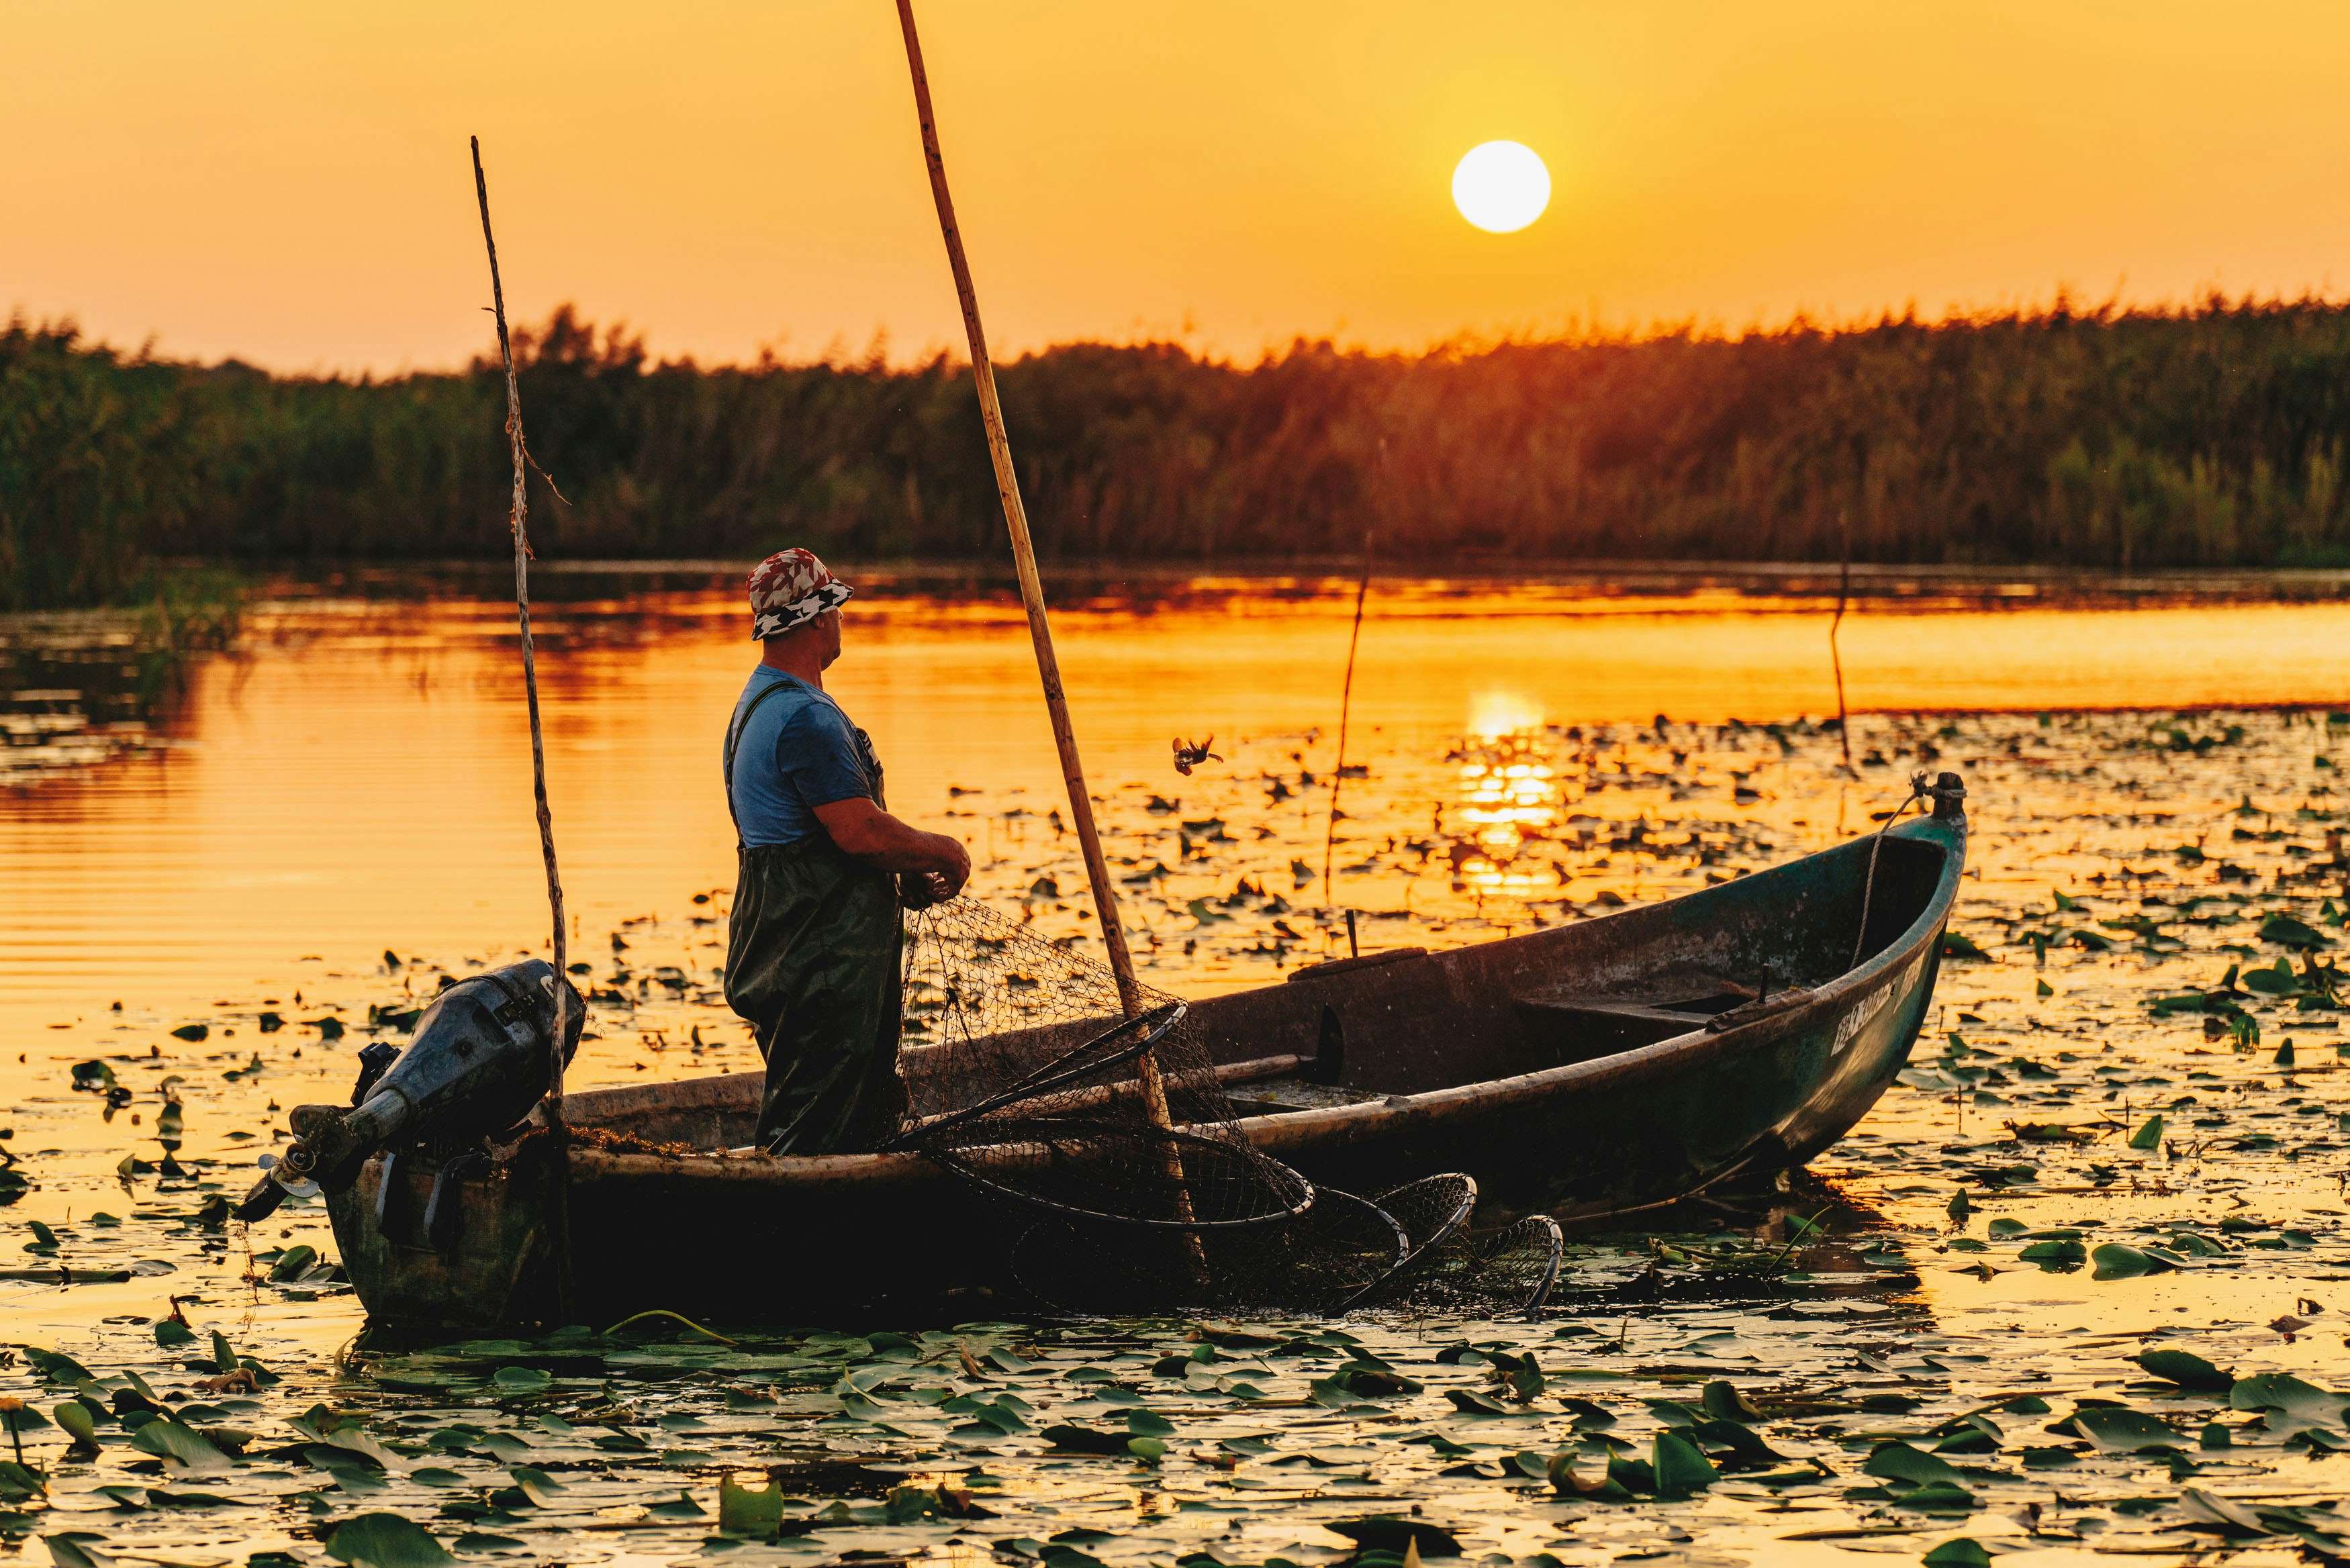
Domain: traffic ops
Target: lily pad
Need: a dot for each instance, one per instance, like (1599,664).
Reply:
(386,1541)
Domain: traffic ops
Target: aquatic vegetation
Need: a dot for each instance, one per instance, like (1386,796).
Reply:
(2074,1285)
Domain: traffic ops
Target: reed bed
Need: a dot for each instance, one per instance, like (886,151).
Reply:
(2206,435)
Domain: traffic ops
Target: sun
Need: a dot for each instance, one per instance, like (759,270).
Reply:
(1501,186)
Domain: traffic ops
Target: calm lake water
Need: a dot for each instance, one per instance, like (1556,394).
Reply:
(322,819)
(356,776)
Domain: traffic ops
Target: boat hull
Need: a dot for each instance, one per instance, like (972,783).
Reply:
(1495,1059)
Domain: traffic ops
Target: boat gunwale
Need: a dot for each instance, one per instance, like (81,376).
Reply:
(1345,1124)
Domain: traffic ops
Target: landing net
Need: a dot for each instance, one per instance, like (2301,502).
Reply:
(1030,1079)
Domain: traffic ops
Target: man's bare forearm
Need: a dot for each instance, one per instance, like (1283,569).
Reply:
(872,836)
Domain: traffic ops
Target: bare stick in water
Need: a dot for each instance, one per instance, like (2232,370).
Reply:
(1346,710)
(1836,655)
(1032,594)
(520,524)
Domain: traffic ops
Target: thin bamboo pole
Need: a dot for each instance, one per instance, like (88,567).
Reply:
(1835,655)
(520,525)
(519,521)
(1031,588)
(1345,712)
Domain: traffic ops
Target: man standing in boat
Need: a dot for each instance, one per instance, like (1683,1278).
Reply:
(813,948)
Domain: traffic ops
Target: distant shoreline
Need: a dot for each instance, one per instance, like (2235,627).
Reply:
(1631,580)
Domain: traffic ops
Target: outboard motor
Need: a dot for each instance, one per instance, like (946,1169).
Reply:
(476,1064)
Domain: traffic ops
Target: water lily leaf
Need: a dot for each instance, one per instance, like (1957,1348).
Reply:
(1148,1424)
(173,1440)
(386,1541)
(2053,1252)
(292,1263)
(1959,1552)
(2116,1429)
(470,1541)
(750,1511)
(356,1440)
(2286,930)
(77,1550)
(1723,1402)
(1468,1402)
(80,1424)
(538,1485)
(1086,1439)
(1385,1533)
(1899,1461)
(2149,1135)
(519,1379)
(1937,1497)
(2115,1261)
(2209,1508)
(503,1446)
(2282,1391)
(1569,1481)
(2186,1369)
(1746,1450)
(1681,1468)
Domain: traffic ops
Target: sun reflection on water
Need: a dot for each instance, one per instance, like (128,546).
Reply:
(1509,794)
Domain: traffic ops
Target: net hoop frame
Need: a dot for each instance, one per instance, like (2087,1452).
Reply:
(956,1161)
(1413,1255)
(1054,1076)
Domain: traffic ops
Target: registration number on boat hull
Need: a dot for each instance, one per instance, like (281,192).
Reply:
(1869,1007)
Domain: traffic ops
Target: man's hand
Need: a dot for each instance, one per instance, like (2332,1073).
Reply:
(920,890)
(864,831)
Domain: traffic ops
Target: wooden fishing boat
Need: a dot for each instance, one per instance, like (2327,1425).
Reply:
(1589,1070)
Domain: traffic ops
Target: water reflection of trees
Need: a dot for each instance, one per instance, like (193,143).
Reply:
(78,687)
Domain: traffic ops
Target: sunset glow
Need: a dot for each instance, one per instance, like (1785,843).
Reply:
(288,183)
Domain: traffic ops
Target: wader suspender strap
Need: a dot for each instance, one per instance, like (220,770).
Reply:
(734,735)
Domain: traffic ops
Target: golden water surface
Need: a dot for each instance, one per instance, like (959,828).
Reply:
(356,776)
(328,817)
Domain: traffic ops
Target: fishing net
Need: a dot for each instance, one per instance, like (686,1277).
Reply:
(1030,1080)
(1509,1269)
(1026,1077)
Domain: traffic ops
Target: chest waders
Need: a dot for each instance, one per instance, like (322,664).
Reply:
(814,952)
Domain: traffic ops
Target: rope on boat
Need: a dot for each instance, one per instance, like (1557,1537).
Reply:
(680,1317)
(1918,790)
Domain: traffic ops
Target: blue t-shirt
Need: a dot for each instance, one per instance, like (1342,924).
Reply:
(798,751)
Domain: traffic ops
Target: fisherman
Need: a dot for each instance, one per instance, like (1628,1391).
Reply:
(813,948)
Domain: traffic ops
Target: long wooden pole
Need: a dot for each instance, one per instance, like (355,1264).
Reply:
(1031,588)
(519,521)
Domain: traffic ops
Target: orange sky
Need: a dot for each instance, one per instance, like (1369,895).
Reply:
(287,183)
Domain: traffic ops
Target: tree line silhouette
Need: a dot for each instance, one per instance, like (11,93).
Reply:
(2211,434)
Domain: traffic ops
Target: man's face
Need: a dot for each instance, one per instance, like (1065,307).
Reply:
(829,637)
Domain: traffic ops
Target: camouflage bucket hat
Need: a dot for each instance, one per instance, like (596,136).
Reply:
(789,589)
